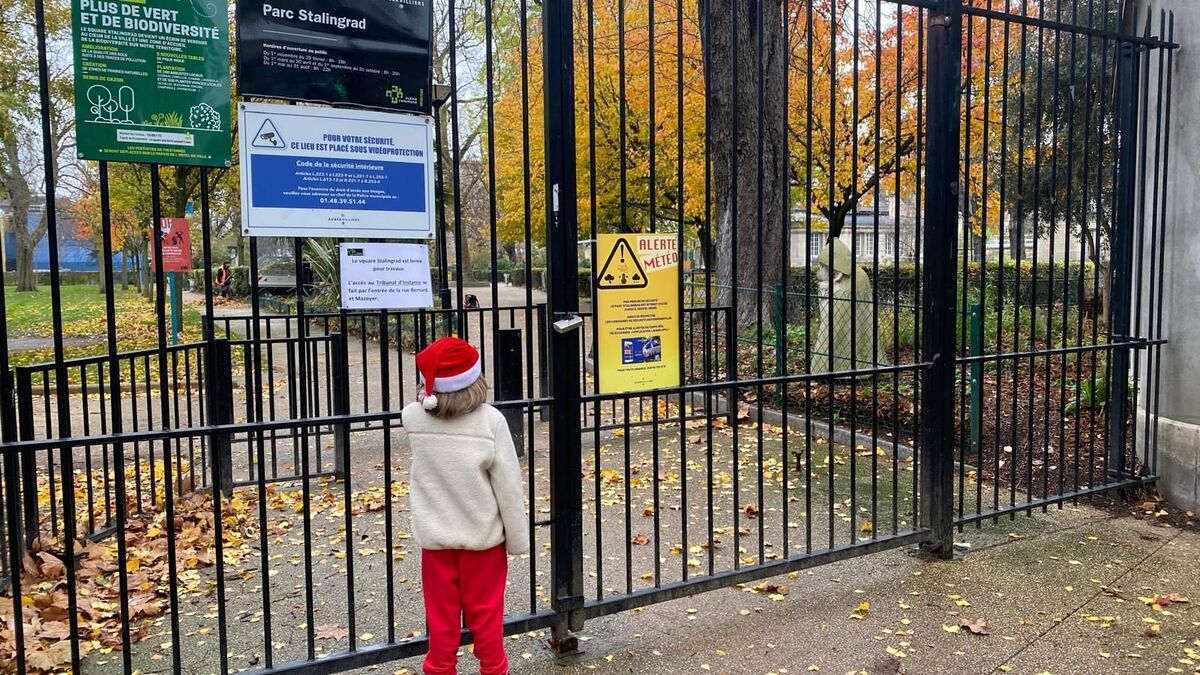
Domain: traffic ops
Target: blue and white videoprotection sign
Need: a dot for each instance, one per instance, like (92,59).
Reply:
(329,172)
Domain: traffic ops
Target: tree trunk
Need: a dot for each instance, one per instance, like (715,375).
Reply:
(837,219)
(1016,241)
(147,274)
(26,277)
(125,271)
(180,193)
(25,237)
(747,213)
(457,246)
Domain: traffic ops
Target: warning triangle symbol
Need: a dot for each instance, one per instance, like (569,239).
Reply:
(268,136)
(623,269)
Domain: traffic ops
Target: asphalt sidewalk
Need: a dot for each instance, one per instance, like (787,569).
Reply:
(1079,591)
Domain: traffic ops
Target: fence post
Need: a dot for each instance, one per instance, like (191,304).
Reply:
(26,431)
(220,411)
(944,62)
(566,482)
(509,385)
(1121,276)
(341,401)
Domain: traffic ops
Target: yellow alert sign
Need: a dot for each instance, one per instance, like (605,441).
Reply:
(637,312)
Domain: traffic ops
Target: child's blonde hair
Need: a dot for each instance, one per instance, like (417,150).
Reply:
(457,403)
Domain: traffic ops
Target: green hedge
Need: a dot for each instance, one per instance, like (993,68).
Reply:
(517,277)
(539,279)
(1041,285)
(66,278)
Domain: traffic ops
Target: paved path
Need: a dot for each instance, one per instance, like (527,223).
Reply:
(1059,594)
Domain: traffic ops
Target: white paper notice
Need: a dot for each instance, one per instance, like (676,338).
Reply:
(386,276)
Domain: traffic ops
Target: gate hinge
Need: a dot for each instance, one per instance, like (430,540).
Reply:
(940,21)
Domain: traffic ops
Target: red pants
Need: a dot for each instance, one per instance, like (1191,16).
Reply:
(470,582)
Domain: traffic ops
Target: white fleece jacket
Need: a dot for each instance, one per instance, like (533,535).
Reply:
(465,487)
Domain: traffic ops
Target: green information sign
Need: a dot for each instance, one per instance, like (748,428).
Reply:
(152,81)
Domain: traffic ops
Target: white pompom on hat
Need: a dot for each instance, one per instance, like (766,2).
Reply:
(448,365)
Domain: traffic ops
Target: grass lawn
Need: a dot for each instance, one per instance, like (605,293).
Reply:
(84,322)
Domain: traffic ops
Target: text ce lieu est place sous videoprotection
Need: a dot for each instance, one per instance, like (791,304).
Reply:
(359,145)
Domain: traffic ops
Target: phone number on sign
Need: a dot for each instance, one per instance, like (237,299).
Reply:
(343,201)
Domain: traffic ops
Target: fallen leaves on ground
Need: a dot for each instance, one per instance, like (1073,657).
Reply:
(1157,602)
(976,626)
(330,632)
(45,611)
(776,592)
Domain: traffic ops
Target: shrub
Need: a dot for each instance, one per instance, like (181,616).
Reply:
(1009,284)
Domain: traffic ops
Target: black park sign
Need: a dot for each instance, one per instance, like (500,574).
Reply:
(370,53)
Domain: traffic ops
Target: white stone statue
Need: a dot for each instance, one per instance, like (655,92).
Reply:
(843,304)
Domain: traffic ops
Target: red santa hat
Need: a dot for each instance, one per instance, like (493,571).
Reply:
(448,365)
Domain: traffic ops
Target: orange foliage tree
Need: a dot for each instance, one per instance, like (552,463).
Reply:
(855,95)
(128,222)
(616,125)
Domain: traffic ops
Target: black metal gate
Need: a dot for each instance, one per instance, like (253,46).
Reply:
(923,268)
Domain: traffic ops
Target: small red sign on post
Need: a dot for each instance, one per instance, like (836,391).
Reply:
(176,245)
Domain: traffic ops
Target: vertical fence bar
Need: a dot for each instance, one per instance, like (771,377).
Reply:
(26,432)
(779,318)
(341,400)
(11,509)
(543,369)
(1122,254)
(731,345)
(944,62)
(976,344)
(566,483)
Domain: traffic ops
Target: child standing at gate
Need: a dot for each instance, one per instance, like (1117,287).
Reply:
(468,505)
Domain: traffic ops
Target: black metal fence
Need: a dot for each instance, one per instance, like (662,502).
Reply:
(257,478)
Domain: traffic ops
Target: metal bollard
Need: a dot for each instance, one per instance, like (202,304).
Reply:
(508,381)
(220,406)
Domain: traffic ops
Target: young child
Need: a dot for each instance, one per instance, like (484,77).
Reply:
(468,505)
